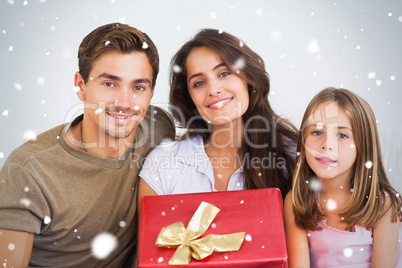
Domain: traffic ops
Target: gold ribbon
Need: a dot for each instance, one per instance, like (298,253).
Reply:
(186,242)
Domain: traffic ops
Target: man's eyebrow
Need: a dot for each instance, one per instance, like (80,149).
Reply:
(109,76)
(142,80)
(116,78)
(198,74)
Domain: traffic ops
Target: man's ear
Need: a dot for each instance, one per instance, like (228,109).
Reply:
(79,83)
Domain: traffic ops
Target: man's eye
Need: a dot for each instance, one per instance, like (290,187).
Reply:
(139,88)
(108,84)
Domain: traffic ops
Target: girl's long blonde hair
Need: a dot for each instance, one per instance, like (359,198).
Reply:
(369,185)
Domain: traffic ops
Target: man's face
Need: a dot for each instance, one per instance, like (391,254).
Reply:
(117,94)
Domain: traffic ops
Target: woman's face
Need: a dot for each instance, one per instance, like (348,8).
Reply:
(219,95)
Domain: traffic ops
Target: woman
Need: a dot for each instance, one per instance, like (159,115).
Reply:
(234,140)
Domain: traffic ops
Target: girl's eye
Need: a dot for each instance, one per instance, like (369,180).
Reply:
(108,84)
(317,133)
(200,83)
(342,136)
(224,74)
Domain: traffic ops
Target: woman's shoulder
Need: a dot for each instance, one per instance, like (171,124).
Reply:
(179,147)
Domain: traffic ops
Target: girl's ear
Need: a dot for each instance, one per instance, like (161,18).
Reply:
(79,83)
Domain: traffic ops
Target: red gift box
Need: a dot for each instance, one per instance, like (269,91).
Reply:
(258,213)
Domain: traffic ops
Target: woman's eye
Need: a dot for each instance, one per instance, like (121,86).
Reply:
(342,136)
(199,84)
(224,74)
(317,133)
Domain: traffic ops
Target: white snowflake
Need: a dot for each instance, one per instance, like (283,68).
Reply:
(29,135)
(176,69)
(313,46)
(11,246)
(331,204)
(103,244)
(348,252)
(213,15)
(239,64)
(248,238)
(18,86)
(368,164)
(47,220)
(371,75)
(25,201)
(40,80)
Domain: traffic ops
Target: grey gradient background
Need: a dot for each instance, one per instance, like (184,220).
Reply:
(307,46)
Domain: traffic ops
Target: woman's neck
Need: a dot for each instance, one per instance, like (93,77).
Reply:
(227,137)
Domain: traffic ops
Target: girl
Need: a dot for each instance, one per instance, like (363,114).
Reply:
(234,140)
(342,207)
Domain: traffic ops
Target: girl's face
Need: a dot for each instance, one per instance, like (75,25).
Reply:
(219,95)
(329,143)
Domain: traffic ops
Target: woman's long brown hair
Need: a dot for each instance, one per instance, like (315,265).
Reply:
(279,141)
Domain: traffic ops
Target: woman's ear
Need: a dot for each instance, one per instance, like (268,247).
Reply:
(79,83)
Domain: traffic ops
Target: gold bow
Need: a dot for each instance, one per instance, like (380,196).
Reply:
(177,236)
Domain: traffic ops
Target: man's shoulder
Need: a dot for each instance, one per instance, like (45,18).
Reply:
(158,122)
(41,143)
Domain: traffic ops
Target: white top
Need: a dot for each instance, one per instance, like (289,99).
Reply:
(179,167)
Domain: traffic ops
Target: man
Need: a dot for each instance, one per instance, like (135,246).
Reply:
(68,199)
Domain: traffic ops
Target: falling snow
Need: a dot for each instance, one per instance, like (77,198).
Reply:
(248,238)
(313,47)
(145,45)
(348,252)
(25,201)
(40,80)
(47,220)
(29,135)
(239,64)
(213,15)
(371,75)
(276,35)
(17,86)
(11,246)
(176,69)
(5,113)
(103,244)
(315,185)
(331,204)
(368,164)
